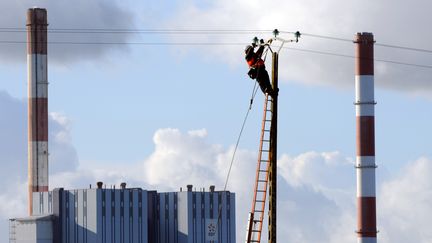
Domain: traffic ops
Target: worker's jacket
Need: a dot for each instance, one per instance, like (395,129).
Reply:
(254,58)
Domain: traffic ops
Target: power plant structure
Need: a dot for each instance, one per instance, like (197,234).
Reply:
(37,37)
(365,119)
(100,214)
(136,215)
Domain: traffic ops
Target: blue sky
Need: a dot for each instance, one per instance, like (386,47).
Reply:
(119,111)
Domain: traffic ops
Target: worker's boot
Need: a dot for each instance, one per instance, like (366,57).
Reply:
(272,92)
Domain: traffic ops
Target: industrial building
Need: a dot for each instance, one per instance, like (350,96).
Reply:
(100,215)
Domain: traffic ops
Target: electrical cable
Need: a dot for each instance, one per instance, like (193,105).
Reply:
(376,44)
(215,44)
(194,32)
(132,43)
(140,31)
(204,31)
(353,57)
(326,37)
(404,48)
(237,144)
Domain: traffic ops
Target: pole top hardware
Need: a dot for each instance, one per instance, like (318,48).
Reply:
(276,32)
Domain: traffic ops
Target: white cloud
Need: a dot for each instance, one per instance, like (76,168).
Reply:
(328,173)
(310,201)
(63,156)
(62,14)
(386,19)
(179,157)
(316,190)
(405,204)
(13,156)
(316,194)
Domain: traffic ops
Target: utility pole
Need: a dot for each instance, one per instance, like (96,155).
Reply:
(273,153)
(266,173)
(272,228)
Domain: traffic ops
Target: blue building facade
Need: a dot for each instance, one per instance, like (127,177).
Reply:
(134,215)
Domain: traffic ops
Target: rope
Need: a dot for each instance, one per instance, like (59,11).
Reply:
(254,91)
(265,54)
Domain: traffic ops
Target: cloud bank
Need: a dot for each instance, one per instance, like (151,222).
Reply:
(316,192)
(386,19)
(63,14)
(13,156)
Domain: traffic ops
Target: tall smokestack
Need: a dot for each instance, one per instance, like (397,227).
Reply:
(37,102)
(365,116)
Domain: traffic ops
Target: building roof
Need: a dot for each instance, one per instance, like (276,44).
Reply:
(42,217)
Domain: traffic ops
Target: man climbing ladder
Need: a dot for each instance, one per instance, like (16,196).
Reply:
(257,68)
(266,172)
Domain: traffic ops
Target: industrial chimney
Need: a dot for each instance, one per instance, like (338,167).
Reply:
(37,102)
(365,116)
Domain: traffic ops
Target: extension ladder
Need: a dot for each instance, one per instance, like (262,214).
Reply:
(256,216)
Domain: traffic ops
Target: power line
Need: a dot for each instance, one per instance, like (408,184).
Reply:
(404,48)
(141,31)
(194,32)
(327,37)
(376,44)
(134,43)
(147,29)
(353,57)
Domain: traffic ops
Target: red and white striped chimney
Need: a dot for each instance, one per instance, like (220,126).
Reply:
(365,116)
(37,102)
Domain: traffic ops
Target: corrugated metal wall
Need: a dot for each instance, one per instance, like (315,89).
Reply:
(184,217)
(139,216)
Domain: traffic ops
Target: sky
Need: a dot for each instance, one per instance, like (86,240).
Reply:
(164,116)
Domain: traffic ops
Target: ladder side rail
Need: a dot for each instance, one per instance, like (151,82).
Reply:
(256,212)
(261,219)
(260,154)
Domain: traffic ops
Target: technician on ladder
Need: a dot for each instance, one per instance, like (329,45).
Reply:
(257,68)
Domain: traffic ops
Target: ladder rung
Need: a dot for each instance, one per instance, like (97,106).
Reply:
(262,181)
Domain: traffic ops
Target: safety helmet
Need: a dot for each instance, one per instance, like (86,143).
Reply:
(248,49)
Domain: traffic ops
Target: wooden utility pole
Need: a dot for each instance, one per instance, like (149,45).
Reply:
(273,153)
